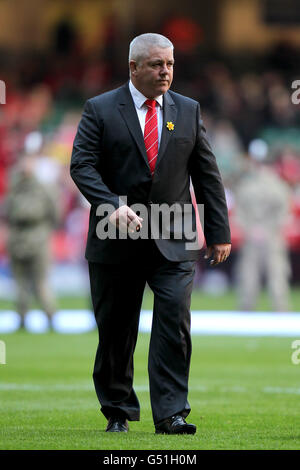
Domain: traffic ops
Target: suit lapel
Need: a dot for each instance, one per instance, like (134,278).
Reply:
(129,114)
(169,115)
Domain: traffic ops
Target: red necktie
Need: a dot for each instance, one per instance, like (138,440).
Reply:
(151,134)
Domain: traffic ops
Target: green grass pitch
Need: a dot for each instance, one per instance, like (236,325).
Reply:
(244,394)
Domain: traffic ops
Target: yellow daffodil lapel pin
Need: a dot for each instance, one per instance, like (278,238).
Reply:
(170,126)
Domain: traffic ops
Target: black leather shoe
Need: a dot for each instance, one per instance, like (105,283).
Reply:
(117,425)
(175,425)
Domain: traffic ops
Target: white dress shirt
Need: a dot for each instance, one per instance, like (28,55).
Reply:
(141,109)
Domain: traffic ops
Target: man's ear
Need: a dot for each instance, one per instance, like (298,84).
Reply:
(133,67)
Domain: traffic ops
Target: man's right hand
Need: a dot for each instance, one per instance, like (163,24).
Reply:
(126,220)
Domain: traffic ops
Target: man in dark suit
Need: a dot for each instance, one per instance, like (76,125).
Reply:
(142,143)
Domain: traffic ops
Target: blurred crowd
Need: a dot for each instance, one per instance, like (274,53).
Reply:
(249,117)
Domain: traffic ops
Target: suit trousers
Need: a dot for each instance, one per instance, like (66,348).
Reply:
(117,294)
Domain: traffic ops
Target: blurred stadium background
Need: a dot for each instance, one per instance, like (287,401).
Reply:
(239,58)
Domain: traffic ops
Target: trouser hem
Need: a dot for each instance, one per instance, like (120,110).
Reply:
(183,413)
(117,412)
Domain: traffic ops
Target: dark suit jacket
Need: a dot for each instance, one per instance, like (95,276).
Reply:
(109,160)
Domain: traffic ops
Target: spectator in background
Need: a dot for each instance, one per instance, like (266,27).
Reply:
(31,213)
(228,150)
(262,208)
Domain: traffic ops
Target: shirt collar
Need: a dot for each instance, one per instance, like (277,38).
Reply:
(139,99)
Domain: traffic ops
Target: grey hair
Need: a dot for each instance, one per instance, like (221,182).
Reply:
(140,45)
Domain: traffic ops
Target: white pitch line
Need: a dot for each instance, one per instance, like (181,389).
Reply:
(288,390)
(243,324)
(140,388)
(43,388)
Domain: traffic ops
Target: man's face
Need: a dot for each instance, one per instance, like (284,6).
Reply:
(153,76)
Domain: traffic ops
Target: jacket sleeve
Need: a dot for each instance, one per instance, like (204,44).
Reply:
(209,188)
(85,160)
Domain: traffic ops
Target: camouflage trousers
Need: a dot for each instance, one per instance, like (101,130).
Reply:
(267,262)
(31,277)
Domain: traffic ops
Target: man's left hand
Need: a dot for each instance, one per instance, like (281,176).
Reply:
(220,253)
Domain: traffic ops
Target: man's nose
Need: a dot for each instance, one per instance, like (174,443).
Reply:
(164,70)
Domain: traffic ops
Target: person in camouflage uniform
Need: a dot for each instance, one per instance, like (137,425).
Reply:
(262,208)
(32,214)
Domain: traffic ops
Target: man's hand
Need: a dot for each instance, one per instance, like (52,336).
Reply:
(126,220)
(219,251)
